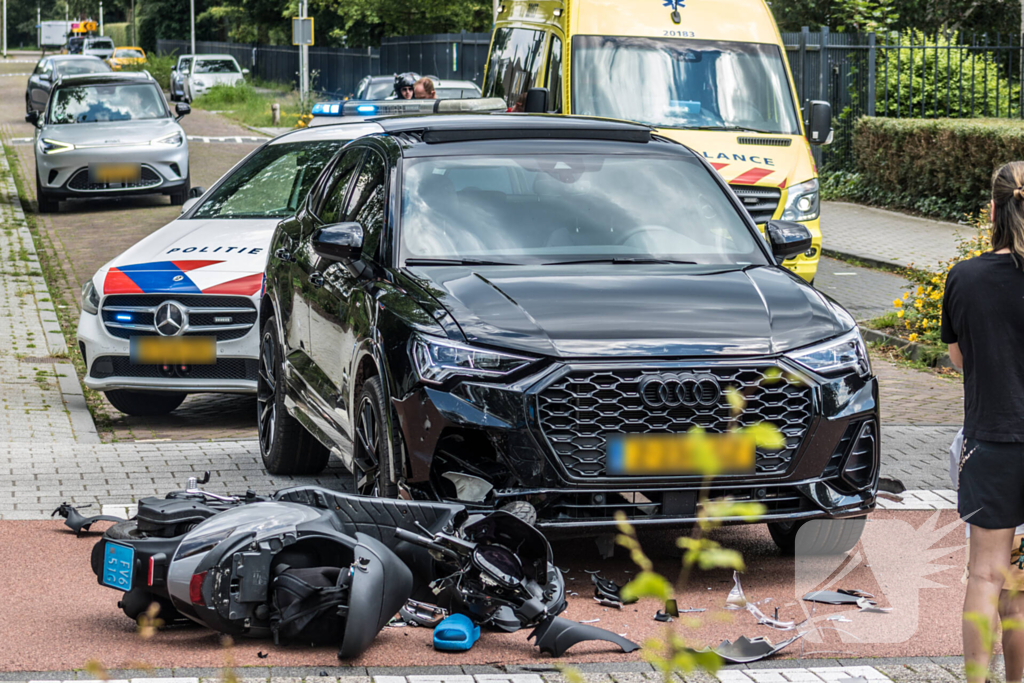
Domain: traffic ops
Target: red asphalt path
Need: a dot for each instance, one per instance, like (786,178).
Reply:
(56,617)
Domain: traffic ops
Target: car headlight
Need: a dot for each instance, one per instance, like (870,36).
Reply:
(55,146)
(90,298)
(172,140)
(437,360)
(802,202)
(836,356)
(199,82)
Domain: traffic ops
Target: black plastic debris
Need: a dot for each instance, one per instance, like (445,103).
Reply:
(416,613)
(671,608)
(262,655)
(608,593)
(76,521)
(745,650)
(555,636)
(662,616)
(839,597)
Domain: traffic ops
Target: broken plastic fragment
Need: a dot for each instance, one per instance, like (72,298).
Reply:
(662,616)
(416,613)
(836,597)
(608,593)
(737,600)
(871,606)
(837,617)
(744,650)
(590,621)
(77,522)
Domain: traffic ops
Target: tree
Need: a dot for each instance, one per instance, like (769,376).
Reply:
(365,22)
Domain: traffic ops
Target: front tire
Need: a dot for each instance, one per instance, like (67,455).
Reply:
(180,197)
(817,536)
(285,445)
(45,203)
(372,448)
(145,403)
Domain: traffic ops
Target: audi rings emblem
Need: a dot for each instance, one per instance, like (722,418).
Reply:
(170,319)
(685,389)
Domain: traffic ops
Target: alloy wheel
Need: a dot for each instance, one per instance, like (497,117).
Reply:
(266,393)
(368,435)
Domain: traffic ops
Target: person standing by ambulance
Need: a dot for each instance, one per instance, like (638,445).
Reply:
(983,323)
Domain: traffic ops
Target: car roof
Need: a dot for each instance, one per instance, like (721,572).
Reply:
(108,78)
(201,57)
(74,58)
(511,126)
(341,130)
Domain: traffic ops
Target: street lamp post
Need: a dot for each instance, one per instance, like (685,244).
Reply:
(101,17)
(192,21)
(5,29)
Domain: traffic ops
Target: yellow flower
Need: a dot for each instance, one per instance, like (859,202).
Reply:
(977,253)
(899,314)
(918,303)
(920,290)
(913,337)
(906,294)
(924,323)
(935,280)
(936,295)
(897,303)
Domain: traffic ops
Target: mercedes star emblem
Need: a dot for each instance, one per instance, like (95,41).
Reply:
(170,319)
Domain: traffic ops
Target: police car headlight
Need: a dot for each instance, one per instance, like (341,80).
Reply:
(802,202)
(836,356)
(90,298)
(55,146)
(437,360)
(172,140)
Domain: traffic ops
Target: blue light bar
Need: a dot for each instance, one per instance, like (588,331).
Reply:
(124,317)
(366,108)
(327,109)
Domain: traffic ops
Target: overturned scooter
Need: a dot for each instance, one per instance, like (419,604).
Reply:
(318,566)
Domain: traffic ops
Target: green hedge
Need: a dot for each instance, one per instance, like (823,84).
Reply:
(120,33)
(941,167)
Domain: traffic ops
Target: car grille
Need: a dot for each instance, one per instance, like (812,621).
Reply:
(579,411)
(760,202)
(237,315)
(80,182)
(224,368)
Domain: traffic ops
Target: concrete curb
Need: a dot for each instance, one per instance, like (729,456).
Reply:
(872,261)
(914,350)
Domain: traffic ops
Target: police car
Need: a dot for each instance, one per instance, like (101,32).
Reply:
(325,113)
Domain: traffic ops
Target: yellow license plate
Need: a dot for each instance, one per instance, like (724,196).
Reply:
(115,173)
(173,350)
(680,454)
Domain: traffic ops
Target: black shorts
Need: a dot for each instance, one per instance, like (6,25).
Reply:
(991,489)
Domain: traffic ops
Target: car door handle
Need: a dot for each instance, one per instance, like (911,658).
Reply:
(283,254)
(316,278)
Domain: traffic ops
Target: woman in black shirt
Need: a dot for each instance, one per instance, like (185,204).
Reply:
(983,323)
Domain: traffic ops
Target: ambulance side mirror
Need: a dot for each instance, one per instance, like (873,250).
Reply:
(819,122)
(536,101)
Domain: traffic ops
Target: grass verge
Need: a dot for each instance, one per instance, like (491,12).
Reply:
(64,300)
(246,104)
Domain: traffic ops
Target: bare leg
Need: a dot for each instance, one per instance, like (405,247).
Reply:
(1011,606)
(989,559)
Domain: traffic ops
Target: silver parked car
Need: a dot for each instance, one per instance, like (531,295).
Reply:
(108,135)
(98,47)
(194,75)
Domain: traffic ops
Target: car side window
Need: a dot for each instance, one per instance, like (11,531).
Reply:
(367,202)
(185,64)
(554,79)
(331,212)
(39,67)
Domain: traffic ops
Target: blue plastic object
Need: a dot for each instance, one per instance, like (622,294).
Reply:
(457,633)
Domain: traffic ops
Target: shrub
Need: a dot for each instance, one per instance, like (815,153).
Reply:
(245,103)
(919,312)
(158,65)
(120,33)
(938,167)
(919,74)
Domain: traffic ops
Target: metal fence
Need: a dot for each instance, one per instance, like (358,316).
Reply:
(904,75)
(337,71)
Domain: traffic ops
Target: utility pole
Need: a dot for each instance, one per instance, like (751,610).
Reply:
(135,42)
(303,58)
(192,22)
(5,29)
(39,27)
(101,17)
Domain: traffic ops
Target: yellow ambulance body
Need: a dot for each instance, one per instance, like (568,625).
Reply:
(711,74)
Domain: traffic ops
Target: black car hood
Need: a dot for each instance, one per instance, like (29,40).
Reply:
(632,310)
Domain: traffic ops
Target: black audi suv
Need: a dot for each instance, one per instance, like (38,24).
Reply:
(494,308)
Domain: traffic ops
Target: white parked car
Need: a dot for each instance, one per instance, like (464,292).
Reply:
(98,46)
(178,312)
(194,75)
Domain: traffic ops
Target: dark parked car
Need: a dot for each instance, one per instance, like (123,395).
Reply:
(496,308)
(49,69)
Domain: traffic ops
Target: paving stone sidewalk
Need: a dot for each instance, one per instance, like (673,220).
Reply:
(40,397)
(887,237)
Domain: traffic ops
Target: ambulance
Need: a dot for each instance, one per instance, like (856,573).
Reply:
(711,74)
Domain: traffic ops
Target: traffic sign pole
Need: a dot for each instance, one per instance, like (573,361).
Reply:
(101,17)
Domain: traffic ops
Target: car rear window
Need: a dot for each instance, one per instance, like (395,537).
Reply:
(83,66)
(95,103)
(128,53)
(101,44)
(216,66)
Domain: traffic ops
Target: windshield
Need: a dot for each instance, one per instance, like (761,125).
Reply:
(378,90)
(128,53)
(683,83)
(92,103)
(216,66)
(271,183)
(100,44)
(456,93)
(557,208)
(84,66)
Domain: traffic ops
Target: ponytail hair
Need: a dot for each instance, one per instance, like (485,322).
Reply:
(1008,215)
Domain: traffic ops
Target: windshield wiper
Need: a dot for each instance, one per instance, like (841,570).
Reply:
(454,262)
(622,259)
(743,128)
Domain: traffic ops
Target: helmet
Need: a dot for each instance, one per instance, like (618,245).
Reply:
(406,80)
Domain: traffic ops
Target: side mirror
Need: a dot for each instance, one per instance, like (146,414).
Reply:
(189,203)
(339,242)
(787,239)
(182,109)
(32,117)
(245,72)
(46,77)
(197,191)
(536,101)
(819,122)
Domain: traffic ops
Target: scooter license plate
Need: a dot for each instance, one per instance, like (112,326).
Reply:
(118,566)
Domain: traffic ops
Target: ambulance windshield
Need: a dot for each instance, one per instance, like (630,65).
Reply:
(672,83)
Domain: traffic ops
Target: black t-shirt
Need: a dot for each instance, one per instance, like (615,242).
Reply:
(983,311)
